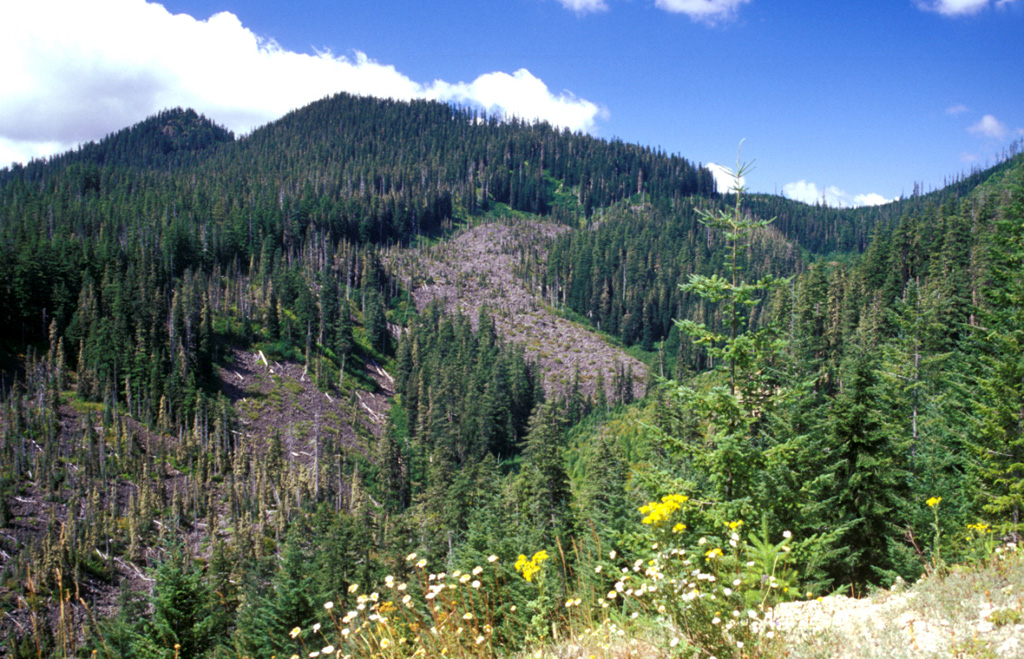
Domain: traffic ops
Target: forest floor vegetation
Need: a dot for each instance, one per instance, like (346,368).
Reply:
(743,602)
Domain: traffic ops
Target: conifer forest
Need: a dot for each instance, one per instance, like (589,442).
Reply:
(480,368)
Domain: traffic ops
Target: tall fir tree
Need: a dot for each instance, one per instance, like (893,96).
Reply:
(999,400)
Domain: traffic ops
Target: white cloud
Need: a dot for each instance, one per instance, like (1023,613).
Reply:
(870,199)
(25,150)
(75,71)
(804,191)
(957,110)
(520,94)
(809,193)
(702,10)
(954,7)
(584,6)
(725,179)
(958,7)
(989,126)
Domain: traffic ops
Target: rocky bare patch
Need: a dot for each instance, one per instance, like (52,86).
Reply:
(969,613)
(271,396)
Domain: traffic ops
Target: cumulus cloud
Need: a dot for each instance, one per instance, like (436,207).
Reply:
(804,191)
(809,193)
(520,94)
(702,10)
(957,110)
(870,199)
(989,126)
(725,179)
(584,6)
(958,7)
(12,150)
(75,71)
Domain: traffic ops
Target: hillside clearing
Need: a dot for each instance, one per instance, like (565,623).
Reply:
(478,267)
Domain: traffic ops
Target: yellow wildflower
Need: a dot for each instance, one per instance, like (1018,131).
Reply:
(530,567)
(657,512)
(934,501)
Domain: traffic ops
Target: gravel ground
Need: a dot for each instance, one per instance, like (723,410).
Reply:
(961,615)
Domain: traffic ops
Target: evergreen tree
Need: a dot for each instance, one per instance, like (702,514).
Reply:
(723,426)
(267,615)
(600,394)
(126,635)
(343,339)
(999,401)
(864,484)
(602,498)
(182,623)
(375,321)
(545,495)
(272,319)
(737,347)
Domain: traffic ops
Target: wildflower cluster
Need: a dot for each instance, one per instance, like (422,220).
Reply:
(530,567)
(716,592)
(981,528)
(657,512)
(464,613)
(606,639)
(981,541)
(454,618)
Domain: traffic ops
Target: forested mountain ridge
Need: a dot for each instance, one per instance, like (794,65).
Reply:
(204,333)
(171,138)
(626,274)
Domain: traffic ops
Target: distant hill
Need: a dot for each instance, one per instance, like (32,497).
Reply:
(170,138)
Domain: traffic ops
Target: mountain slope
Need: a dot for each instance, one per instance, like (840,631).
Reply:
(145,430)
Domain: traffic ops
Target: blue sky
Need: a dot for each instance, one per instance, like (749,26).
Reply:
(853,101)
